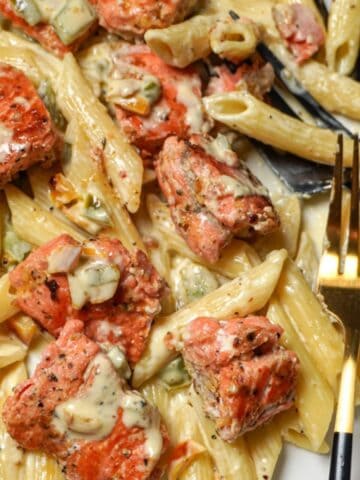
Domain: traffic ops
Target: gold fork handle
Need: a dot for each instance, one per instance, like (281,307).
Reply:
(340,467)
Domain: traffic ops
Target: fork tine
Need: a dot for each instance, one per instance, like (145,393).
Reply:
(334,220)
(353,244)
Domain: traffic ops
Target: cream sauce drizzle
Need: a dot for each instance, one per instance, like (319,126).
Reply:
(93,413)
(5,142)
(194,109)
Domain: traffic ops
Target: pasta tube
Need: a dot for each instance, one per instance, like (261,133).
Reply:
(289,210)
(183,43)
(322,340)
(243,112)
(246,294)
(7,299)
(265,445)
(314,396)
(335,92)
(235,258)
(343,38)
(33,223)
(232,460)
(86,173)
(234,40)
(11,348)
(123,164)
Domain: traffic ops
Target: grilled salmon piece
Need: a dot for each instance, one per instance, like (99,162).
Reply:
(212,195)
(44,33)
(253,75)
(28,135)
(49,286)
(178,110)
(77,408)
(134,17)
(299,29)
(242,374)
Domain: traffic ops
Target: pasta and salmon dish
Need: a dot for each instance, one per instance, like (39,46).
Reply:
(159,318)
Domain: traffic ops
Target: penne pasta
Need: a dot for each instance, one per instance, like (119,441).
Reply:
(12,457)
(234,40)
(264,445)
(33,223)
(86,173)
(232,460)
(183,43)
(306,259)
(49,65)
(246,294)
(248,115)
(314,396)
(123,164)
(235,259)
(343,37)
(335,92)
(319,335)
(11,348)
(181,421)
(289,211)
(7,299)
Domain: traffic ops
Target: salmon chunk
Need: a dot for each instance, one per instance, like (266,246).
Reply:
(176,110)
(77,408)
(242,374)
(252,75)
(300,30)
(116,294)
(43,32)
(27,133)
(212,195)
(135,17)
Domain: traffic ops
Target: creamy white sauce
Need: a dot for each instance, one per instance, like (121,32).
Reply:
(241,188)
(94,281)
(106,327)
(5,142)
(220,149)
(194,109)
(138,413)
(19,100)
(190,281)
(92,414)
(225,341)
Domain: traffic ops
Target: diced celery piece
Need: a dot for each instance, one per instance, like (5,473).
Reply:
(175,375)
(73,20)
(48,96)
(28,10)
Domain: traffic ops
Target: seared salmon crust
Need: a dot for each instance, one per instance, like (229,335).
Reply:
(46,297)
(242,374)
(209,200)
(28,135)
(62,374)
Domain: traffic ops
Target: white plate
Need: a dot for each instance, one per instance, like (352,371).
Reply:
(298,464)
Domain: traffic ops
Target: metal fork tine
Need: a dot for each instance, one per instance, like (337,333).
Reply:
(353,245)
(335,209)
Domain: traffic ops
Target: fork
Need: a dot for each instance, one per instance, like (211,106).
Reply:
(339,285)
